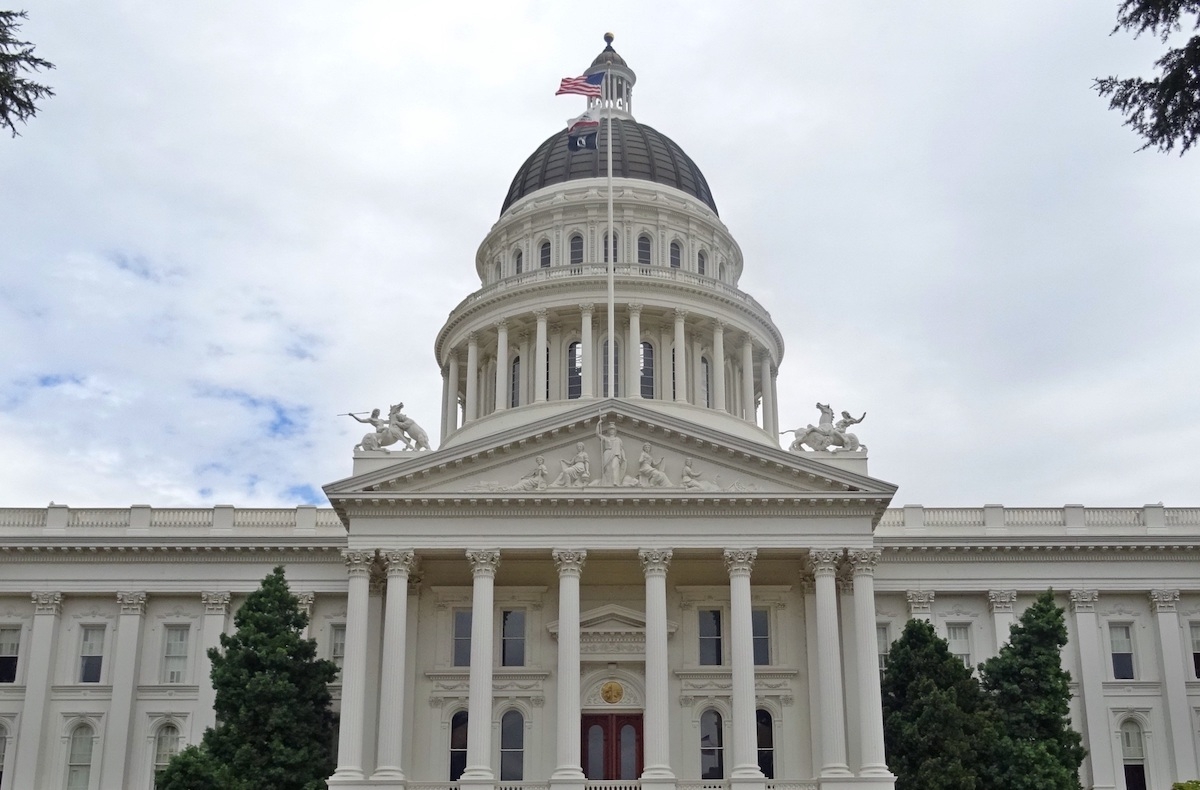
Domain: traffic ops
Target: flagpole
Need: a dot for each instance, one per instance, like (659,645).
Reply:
(612,251)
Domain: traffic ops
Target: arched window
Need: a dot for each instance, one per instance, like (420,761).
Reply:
(766,743)
(547,373)
(3,744)
(712,757)
(1133,754)
(676,255)
(701,263)
(166,746)
(674,394)
(705,382)
(514,386)
(499,272)
(512,747)
(574,370)
(544,255)
(519,262)
(617,241)
(721,271)
(647,371)
(644,250)
(576,250)
(616,391)
(79,758)
(458,745)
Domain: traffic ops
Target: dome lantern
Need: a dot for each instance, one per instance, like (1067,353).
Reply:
(621,81)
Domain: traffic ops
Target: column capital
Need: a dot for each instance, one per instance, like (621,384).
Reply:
(1163,600)
(358,563)
(215,602)
(569,561)
(502,323)
(864,560)
(740,561)
(807,580)
(540,313)
(634,308)
(484,561)
(47,603)
(472,337)
(399,563)
(824,561)
(1084,600)
(718,325)
(305,601)
(681,314)
(587,307)
(1002,600)
(132,602)
(654,560)
(920,601)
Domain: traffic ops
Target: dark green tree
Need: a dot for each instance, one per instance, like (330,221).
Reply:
(1164,111)
(935,720)
(274,726)
(18,94)
(1034,746)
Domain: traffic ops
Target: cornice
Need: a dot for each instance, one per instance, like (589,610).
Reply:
(554,506)
(46,550)
(1047,551)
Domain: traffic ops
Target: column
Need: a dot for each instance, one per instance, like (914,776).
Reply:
(1096,736)
(697,364)
(680,358)
(587,350)
(718,381)
(452,399)
(569,773)
(472,377)
(774,401)
(354,668)
(503,378)
(523,398)
(216,610)
(47,606)
(305,602)
(658,717)
(539,358)
(633,386)
(920,605)
(829,665)
(1001,603)
(1175,693)
(395,646)
(479,704)
(739,563)
(768,399)
(748,379)
(870,699)
(445,403)
(124,675)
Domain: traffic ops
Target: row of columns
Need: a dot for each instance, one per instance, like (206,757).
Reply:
(569,563)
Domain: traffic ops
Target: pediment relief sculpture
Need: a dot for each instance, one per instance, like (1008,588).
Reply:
(827,435)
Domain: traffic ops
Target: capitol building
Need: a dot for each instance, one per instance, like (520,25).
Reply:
(591,574)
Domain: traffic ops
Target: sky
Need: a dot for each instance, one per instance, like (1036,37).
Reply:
(235,221)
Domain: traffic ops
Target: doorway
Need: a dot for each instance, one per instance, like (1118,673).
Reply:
(612,746)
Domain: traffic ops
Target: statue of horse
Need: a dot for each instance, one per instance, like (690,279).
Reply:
(385,433)
(825,435)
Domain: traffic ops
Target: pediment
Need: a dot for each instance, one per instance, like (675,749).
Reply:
(612,633)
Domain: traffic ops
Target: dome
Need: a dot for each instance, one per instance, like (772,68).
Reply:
(639,151)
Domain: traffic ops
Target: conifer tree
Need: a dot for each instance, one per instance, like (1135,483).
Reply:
(274,725)
(19,95)
(1035,747)
(934,715)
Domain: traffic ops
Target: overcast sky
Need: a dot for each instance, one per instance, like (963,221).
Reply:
(236,220)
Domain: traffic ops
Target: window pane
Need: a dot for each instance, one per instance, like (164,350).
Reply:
(647,371)
(512,746)
(675,255)
(1123,666)
(644,250)
(458,745)
(1122,641)
(608,247)
(710,637)
(79,758)
(175,651)
(883,644)
(337,644)
(604,364)
(544,255)
(166,744)
(10,642)
(576,249)
(513,638)
(712,764)
(595,753)
(759,623)
(514,387)
(462,638)
(628,739)
(574,370)
(518,262)
(1196,649)
(701,263)
(91,654)
(766,743)
(958,637)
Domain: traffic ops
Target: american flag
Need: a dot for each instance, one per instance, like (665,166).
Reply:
(587,85)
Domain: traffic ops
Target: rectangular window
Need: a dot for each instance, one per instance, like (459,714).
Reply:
(512,638)
(958,636)
(710,637)
(1120,638)
(175,654)
(883,643)
(760,626)
(10,644)
(462,638)
(1196,649)
(91,653)
(337,644)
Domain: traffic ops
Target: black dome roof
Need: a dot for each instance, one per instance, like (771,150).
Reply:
(639,151)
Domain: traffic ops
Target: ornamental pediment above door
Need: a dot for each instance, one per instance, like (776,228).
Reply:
(612,633)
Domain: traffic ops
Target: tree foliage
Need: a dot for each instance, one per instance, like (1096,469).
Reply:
(274,727)
(1165,110)
(934,721)
(1193,784)
(18,94)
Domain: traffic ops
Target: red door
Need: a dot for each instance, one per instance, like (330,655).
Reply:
(612,746)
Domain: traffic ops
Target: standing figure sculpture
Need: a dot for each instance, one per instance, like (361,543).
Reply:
(612,465)
(826,435)
(387,432)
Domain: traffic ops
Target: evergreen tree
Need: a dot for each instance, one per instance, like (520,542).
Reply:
(1035,747)
(18,94)
(274,726)
(935,720)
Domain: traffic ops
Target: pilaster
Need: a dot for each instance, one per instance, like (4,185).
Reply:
(1092,670)
(216,612)
(47,607)
(124,675)
(1175,691)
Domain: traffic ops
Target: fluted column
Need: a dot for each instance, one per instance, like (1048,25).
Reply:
(399,565)
(718,382)
(768,397)
(1092,674)
(472,377)
(503,379)
(354,668)
(829,665)
(740,563)
(870,699)
(479,705)
(452,395)
(748,379)
(569,772)
(1175,692)
(216,611)
(123,675)
(633,385)
(680,357)
(658,720)
(1001,603)
(47,606)
(445,403)
(587,389)
(774,430)
(539,358)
